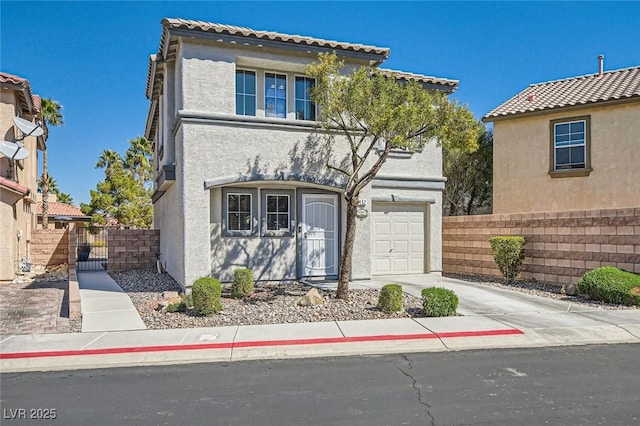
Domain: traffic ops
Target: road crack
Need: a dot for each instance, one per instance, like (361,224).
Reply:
(416,386)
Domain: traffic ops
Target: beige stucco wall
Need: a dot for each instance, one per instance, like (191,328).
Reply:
(521,147)
(16,213)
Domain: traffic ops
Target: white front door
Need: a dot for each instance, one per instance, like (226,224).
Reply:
(319,235)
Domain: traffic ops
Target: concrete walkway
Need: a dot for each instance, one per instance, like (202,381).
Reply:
(105,306)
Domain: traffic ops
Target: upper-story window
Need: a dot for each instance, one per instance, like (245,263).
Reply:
(245,92)
(275,95)
(570,145)
(305,108)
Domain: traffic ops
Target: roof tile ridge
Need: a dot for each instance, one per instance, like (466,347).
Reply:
(584,76)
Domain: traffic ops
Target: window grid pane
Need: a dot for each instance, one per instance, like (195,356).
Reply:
(245,92)
(239,212)
(277,212)
(570,146)
(305,108)
(275,95)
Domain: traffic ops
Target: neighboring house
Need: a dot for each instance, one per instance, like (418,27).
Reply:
(569,144)
(240,176)
(17,177)
(60,214)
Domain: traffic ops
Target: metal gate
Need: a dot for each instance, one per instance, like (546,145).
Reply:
(92,251)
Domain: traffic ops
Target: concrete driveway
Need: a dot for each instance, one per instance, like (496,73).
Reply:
(477,299)
(518,309)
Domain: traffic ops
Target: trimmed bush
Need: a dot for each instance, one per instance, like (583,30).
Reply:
(242,283)
(390,299)
(439,302)
(508,252)
(611,285)
(205,293)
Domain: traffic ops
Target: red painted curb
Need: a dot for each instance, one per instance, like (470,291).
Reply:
(258,343)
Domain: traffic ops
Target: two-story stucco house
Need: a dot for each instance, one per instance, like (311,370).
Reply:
(240,168)
(18,177)
(570,144)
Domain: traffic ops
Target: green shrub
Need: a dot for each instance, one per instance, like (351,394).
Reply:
(612,285)
(508,252)
(242,283)
(439,302)
(187,299)
(206,294)
(98,244)
(390,299)
(177,307)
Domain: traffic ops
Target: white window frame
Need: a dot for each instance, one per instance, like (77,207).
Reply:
(244,94)
(286,96)
(295,98)
(570,145)
(253,228)
(290,194)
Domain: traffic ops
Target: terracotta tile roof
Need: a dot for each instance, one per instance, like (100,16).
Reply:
(33,101)
(584,90)
(419,78)
(14,186)
(61,209)
(209,27)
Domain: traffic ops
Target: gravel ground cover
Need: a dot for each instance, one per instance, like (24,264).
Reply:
(271,303)
(539,289)
(276,303)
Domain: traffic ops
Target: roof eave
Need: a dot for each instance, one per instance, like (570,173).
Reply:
(491,118)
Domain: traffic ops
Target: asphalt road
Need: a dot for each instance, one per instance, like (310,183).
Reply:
(587,385)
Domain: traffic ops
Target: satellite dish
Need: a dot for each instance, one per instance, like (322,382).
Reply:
(14,151)
(27,127)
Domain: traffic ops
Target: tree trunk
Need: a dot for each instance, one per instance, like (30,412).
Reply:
(347,251)
(45,191)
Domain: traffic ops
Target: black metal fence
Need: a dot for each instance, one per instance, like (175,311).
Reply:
(92,251)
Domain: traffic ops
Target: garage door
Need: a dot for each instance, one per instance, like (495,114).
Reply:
(398,238)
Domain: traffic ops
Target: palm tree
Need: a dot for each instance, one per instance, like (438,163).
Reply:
(138,158)
(107,160)
(65,198)
(51,184)
(52,116)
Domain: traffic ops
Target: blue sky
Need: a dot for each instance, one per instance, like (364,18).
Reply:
(92,56)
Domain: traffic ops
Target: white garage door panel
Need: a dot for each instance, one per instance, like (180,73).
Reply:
(398,239)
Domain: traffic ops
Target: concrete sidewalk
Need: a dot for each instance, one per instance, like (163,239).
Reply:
(338,338)
(105,306)
(490,318)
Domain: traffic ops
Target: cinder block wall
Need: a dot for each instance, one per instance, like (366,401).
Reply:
(49,247)
(132,248)
(560,248)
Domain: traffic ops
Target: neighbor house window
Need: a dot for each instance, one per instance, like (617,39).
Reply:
(277,213)
(245,92)
(570,145)
(305,108)
(275,95)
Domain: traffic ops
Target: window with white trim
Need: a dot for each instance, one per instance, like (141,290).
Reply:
(277,211)
(570,145)
(305,108)
(245,92)
(275,95)
(238,212)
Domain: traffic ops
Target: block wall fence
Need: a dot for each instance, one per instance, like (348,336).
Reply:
(560,246)
(49,247)
(132,248)
(127,248)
